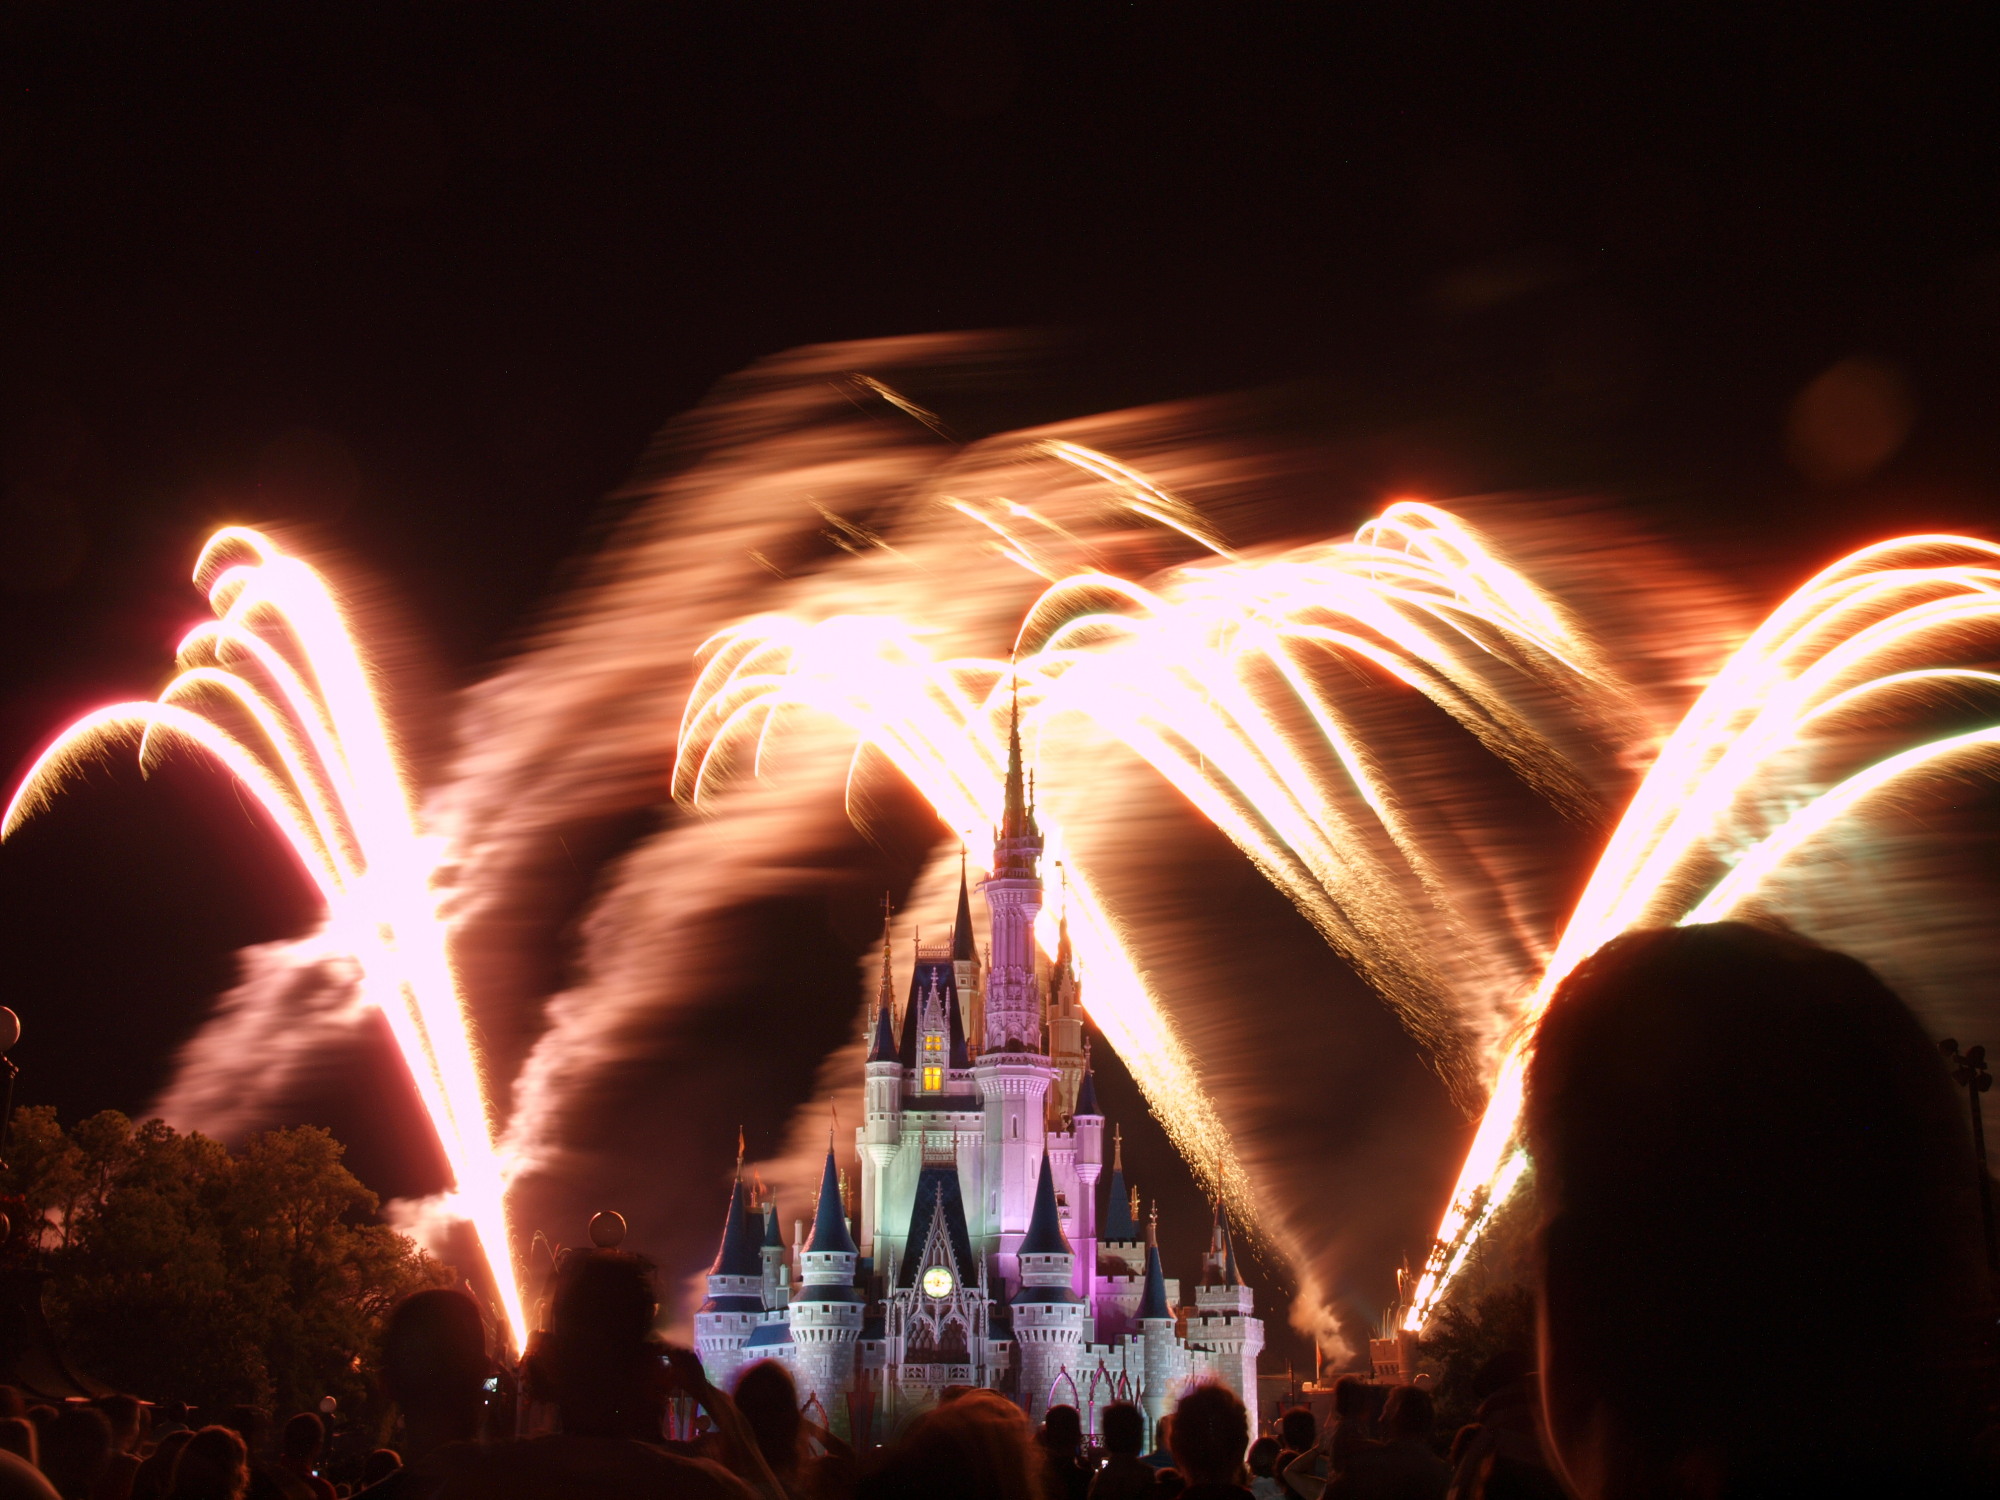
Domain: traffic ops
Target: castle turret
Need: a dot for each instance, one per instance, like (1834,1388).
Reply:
(1049,1315)
(1223,1322)
(1164,1359)
(725,1322)
(826,1306)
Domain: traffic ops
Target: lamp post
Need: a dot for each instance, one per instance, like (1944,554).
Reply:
(1969,1071)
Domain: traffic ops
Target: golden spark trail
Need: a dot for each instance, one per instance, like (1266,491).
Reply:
(316,752)
(1858,630)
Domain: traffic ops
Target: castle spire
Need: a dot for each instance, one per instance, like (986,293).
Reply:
(1045,1236)
(1153,1301)
(961,927)
(829,1231)
(1014,821)
(883,1047)
(738,1255)
(1120,1222)
(1086,1094)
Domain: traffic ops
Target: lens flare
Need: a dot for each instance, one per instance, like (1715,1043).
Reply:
(1751,777)
(282,699)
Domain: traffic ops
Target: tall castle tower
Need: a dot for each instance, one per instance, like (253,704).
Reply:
(826,1307)
(729,1317)
(1049,1313)
(1013,1070)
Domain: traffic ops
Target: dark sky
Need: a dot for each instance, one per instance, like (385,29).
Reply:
(424,278)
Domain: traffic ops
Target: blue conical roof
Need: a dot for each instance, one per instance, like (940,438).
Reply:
(1045,1236)
(830,1217)
(1118,1223)
(883,1048)
(738,1256)
(961,926)
(1153,1302)
(773,1238)
(1086,1093)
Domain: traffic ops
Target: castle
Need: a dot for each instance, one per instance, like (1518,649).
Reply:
(980,1257)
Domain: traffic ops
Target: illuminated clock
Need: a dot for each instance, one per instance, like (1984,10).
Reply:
(937,1282)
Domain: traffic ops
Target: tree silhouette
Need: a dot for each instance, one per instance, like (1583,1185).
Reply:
(180,1270)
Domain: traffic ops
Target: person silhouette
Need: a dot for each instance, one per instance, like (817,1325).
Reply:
(1747,1150)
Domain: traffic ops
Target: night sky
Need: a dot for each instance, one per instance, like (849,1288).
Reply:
(421,280)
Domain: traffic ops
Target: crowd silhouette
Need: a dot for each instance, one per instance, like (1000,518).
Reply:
(1759,1275)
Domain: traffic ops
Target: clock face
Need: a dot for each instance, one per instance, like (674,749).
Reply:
(937,1282)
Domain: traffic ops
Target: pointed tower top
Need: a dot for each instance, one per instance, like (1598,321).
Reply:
(1120,1223)
(738,1256)
(962,950)
(883,1047)
(774,1239)
(1014,821)
(1045,1236)
(1086,1093)
(1153,1301)
(829,1232)
(1017,820)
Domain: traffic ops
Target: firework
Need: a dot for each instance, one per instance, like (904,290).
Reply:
(275,689)
(1760,767)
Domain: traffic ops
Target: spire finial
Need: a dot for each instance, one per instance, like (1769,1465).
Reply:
(1153,1225)
(739,1152)
(1117,1148)
(1014,819)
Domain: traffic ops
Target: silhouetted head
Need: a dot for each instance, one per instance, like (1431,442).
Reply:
(1062,1429)
(379,1465)
(599,1360)
(76,1450)
(1124,1428)
(1298,1429)
(126,1415)
(215,1465)
(17,1436)
(304,1436)
(1745,1142)
(19,1480)
(434,1351)
(978,1447)
(1263,1457)
(251,1423)
(155,1476)
(1211,1430)
(1408,1413)
(769,1402)
(1163,1433)
(1350,1396)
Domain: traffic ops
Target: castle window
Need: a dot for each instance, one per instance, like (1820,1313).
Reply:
(933,1080)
